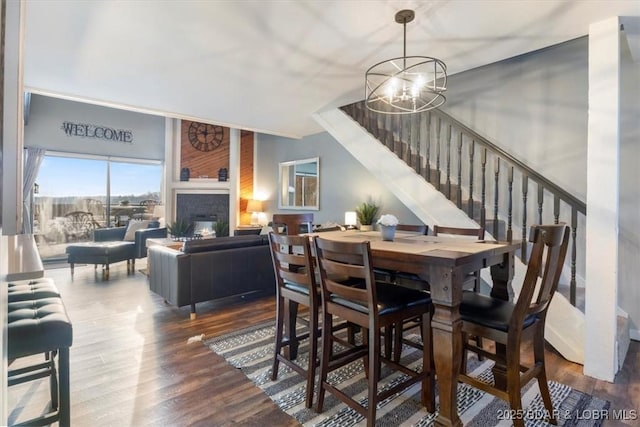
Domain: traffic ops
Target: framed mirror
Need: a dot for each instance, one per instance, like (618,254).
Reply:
(299,184)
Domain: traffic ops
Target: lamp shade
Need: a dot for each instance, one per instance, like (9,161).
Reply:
(254,206)
(350,218)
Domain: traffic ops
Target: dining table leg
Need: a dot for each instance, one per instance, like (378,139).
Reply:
(502,275)
(446,293)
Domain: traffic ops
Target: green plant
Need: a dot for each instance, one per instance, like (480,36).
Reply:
(178,228)
(222,228)
(367,212)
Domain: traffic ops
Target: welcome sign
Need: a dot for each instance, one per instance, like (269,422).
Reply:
(96,131)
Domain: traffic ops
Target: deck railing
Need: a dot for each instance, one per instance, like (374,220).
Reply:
(490,184)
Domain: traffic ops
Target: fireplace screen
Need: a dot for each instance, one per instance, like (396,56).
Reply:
(204,228)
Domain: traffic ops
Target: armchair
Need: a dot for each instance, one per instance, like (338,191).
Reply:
(140,238)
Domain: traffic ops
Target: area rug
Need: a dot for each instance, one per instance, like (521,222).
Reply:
(251,351)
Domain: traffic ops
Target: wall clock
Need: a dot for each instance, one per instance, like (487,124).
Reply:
(205,137)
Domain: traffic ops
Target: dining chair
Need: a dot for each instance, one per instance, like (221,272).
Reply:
(294,270)
(513,324)
(292,224)
(473,280)
(408,280)
(373,306)
(395,334)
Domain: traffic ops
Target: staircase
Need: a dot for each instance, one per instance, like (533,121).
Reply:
(447,174)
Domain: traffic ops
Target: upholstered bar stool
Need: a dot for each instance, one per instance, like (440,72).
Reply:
(38,324)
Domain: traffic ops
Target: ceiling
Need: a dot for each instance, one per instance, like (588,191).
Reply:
(269,65)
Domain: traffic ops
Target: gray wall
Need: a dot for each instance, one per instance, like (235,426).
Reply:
(344,183)
(535,107)
(44,129)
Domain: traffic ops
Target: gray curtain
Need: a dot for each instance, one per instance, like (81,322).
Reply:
(33,159)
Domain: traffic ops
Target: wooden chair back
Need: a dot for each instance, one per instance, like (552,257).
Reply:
(550,244)
(473,279)
(293,262)
(459,231)
(346,259)
(293,224)
(420,229)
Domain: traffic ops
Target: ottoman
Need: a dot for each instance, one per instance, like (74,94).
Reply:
(104,253)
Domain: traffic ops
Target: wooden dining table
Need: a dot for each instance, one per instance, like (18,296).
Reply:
(444,262)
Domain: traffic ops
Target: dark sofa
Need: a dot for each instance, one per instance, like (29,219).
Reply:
(211,269)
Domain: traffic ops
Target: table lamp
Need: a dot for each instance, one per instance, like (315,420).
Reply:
(255,207)
(350,220)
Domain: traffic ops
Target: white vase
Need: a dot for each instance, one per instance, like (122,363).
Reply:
(387,232)
(366,227)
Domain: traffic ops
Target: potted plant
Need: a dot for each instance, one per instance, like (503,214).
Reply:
(178,229)
(388,224)
(366,213)
(222,228)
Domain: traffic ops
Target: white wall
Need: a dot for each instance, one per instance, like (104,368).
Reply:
(344,183)
(44,129)
(629,237)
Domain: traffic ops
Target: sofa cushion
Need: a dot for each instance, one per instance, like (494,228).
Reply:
(134,225)
(220,243)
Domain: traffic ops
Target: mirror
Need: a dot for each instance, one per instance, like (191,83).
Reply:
(299,184)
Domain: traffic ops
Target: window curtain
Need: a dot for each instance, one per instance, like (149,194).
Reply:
(33,160)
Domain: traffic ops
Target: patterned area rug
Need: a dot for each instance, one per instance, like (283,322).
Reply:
(251,350)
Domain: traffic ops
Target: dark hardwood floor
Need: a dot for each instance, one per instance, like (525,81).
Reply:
(131,364)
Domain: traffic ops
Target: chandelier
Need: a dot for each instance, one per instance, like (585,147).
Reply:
(408,84)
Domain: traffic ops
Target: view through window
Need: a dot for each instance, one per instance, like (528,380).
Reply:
(73,196)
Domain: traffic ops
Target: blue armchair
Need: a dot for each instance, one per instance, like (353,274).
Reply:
(140,240)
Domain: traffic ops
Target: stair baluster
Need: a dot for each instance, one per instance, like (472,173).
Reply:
(496,171)
(572,282)
(525,190)
(428,148)
(449,135)
(510,204)
(438,128)
(397,140)
(459,188)
(540,202)
(483,196)
(471,153)
(415,143)
(556,209)
(389,142)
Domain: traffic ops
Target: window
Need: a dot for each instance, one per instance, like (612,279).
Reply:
(78,194)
